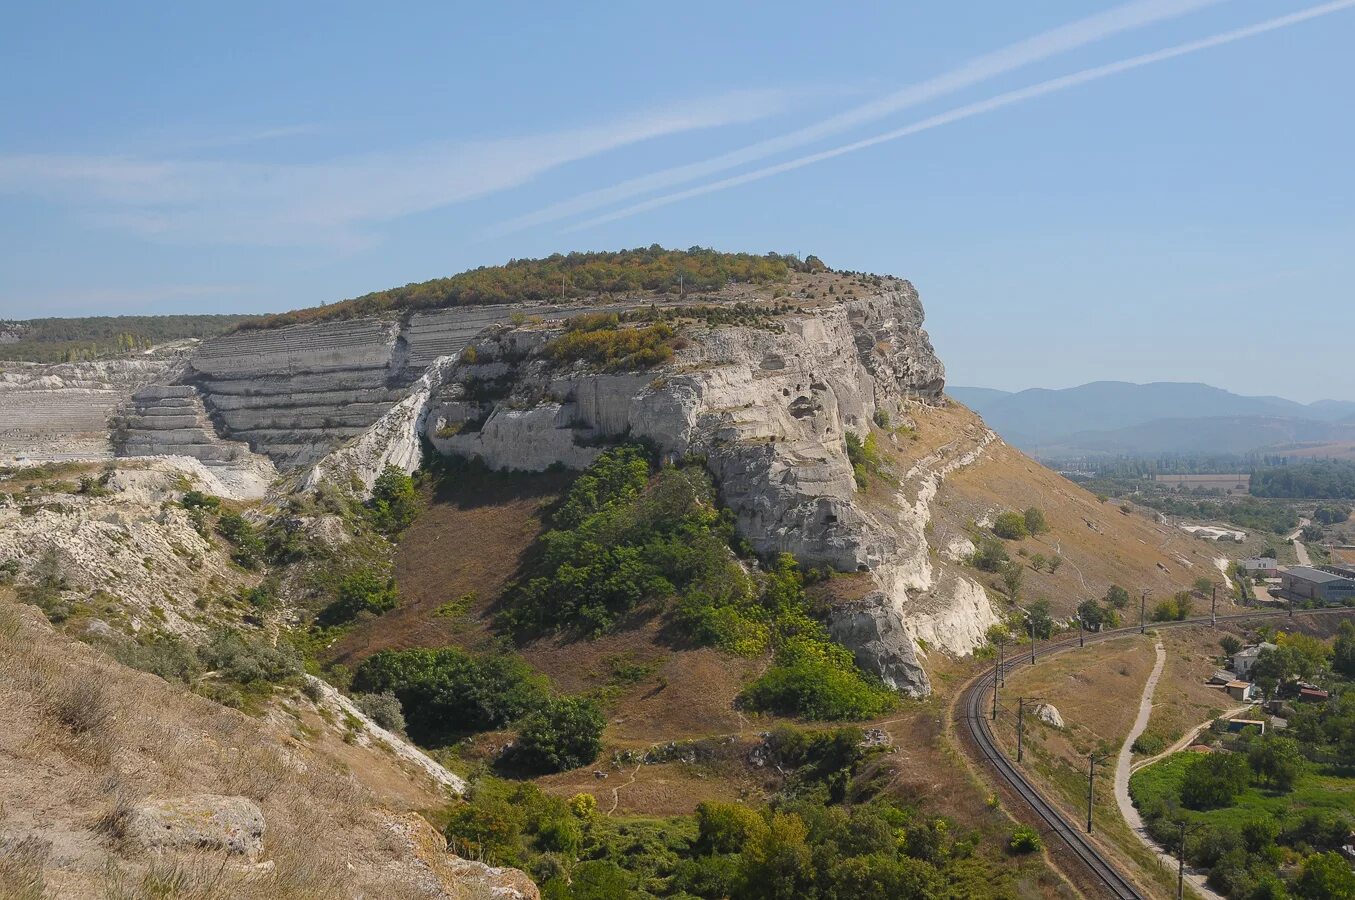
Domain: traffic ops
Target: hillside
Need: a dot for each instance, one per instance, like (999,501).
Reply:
(103,337)
(667,560)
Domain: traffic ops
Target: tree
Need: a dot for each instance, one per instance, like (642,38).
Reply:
(564,734)
(1012,574)
(990,556)
(1277,760)
(1011,526)
(1343,651)
(360,592)
(1117,596)
(1325,876)
(1035,521)
(394,504)
(1054,562)
(1203,586)
(1214,781)
(1230,645)
(1038,562)
(1039,619)
(1311,653)
(1091,614)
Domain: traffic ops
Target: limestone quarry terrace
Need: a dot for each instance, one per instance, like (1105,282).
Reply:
(286,390)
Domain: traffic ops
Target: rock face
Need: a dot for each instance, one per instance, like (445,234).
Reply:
(768,407)
(879,638)
(54,412)
(200,822)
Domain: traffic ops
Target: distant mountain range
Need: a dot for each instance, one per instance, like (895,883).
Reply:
(1108,418)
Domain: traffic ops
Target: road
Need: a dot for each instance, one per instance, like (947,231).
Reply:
(1300,550)
(970,715)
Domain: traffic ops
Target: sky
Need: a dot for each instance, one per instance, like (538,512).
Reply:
(1148,190)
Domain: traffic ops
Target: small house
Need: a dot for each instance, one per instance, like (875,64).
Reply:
(1244,659)
(1241,691)
(1237,725)
(1260,567)
(1220,678)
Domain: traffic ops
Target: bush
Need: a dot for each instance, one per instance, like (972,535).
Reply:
(1011,526)
(360,592)
(1025,840)
(1214,781)
(384,709)
(249,547)
(564,733)
(818,680)
(394,503)
(446,692)
(612,348)
(991,556)
(1035,521)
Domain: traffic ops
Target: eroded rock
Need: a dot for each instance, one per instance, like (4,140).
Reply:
(199,822)
(1049,714)
(874,630)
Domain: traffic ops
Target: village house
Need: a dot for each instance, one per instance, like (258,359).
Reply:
(1259,567)
(1241,691)
(1244,659)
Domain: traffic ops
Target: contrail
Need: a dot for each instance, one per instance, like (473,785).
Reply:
(1080,33)
(974,109)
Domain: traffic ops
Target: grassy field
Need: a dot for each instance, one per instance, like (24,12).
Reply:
(1315,789)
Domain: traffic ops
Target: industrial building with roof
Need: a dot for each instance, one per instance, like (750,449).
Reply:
(1309,583)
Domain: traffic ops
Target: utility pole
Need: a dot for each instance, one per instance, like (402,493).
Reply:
(1081,639)
(1020,724)
(1291,604)
(1091,786)
(995,695)
(1181,863)
(1143,608)
(1214,607)
(1001,664)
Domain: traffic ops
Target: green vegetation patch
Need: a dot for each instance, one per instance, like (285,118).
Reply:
(561,275)
(624,537)
(602,341)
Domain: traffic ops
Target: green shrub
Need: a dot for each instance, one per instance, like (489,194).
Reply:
(564,733)
(817,679)
(198,500)
(603,343)
(446,692)
(360,592)
(249,547)
(384,709)
(990,556)
(1011,526)
(394,503)
(1035,520)
(1025,840)
(249,659)
(1149,744)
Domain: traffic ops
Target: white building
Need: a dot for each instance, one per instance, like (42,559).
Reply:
(1243,660)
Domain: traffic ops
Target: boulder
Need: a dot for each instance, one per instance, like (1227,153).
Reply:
(1049,714)
(198,822)
(873,629)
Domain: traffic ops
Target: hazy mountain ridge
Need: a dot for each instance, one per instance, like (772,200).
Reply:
(1115,417)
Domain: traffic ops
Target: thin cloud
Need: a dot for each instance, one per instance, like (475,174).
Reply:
(1040,47)
(335,202)
(984,106)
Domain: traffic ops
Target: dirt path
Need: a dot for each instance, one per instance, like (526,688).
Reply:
(1189,738)
(1123,767)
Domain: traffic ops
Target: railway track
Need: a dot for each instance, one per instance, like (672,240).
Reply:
(975,720)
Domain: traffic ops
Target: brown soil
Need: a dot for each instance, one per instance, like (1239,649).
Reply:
(473,538)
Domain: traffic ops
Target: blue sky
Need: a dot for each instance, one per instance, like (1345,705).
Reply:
(1146,190)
